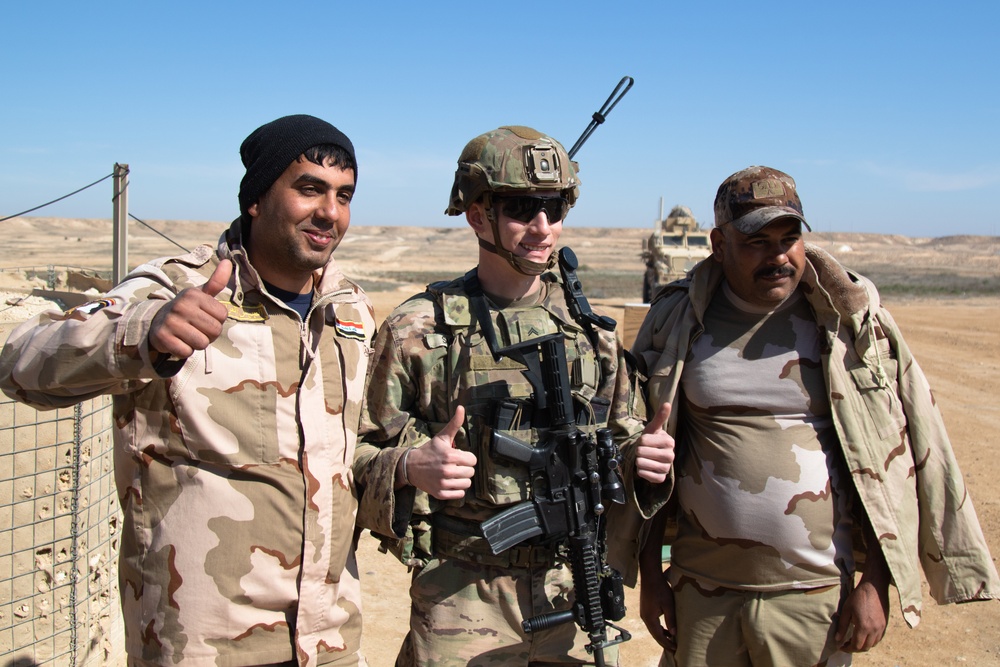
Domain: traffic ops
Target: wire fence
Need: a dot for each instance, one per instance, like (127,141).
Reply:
(79,190)
(60,528)
(57,199)
(60,521)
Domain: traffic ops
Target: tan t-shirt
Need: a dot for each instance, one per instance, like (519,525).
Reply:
(764,501)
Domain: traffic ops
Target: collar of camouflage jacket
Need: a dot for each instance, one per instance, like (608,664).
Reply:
(231,245)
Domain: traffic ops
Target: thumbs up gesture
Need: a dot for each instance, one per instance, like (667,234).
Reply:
(440,469)
(655,449)
(193,319)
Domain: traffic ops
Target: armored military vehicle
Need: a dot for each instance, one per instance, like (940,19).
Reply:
(676,244)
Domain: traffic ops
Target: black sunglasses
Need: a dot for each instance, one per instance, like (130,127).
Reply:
(524,208)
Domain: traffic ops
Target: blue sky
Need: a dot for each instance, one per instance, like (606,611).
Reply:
(886,113)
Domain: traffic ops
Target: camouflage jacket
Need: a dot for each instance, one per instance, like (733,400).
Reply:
(233,468)
(891,433)
(431,356)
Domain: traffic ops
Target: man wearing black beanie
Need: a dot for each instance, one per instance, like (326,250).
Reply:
(272,147)
(238,371)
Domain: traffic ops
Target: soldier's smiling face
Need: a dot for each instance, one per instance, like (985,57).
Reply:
(534,239)
(763,268)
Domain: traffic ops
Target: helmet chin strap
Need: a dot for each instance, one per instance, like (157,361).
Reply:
(520,264)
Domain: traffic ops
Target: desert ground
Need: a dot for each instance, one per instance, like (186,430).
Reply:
(944,293)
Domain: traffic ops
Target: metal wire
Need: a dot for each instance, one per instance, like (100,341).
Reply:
(35,208)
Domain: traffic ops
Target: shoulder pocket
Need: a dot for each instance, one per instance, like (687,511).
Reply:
(879,396)
(435,340)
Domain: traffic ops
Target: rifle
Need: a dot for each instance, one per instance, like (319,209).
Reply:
(572,476)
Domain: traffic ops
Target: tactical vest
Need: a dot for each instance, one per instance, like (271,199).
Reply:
(459,355)
(481,384)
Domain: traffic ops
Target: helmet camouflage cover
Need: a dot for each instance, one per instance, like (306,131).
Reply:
(512,159)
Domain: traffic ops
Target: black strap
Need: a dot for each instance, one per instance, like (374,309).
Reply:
(481,311)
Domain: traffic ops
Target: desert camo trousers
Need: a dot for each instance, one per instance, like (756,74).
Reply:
(469,615)
(723,627)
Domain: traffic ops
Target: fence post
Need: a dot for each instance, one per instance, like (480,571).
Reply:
(74,573)
(120,201)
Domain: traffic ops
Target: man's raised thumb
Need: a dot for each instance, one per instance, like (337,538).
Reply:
(455,423)
(220,278)
(658,420)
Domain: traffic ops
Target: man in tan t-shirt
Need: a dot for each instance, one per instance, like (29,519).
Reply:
(803,427)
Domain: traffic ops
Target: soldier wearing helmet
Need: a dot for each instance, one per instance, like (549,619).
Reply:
(514,166)
(424,465)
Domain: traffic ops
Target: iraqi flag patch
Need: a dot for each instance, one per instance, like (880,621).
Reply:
(350,329)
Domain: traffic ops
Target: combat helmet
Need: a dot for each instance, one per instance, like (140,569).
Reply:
(512,159)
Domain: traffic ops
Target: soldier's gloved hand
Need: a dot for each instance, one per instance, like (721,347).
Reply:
(440,469)
(654,452)
(193,318)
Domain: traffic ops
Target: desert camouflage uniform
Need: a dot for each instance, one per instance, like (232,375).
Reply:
(233,467)
(430,357)
(890,433)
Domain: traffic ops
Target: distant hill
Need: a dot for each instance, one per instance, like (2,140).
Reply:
(385,257)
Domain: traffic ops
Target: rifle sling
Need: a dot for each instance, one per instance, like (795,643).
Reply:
(481,311)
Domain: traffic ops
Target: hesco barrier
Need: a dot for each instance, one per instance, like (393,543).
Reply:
(60,527)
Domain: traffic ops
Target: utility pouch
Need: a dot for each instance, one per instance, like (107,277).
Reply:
(497,481)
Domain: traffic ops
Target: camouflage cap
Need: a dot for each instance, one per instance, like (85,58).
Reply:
(753,198)
(512,159)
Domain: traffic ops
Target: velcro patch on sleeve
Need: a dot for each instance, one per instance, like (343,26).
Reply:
(92,307)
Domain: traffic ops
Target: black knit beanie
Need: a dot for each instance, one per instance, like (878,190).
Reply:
(269,149)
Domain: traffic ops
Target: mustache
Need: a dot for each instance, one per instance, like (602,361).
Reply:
(785,271)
